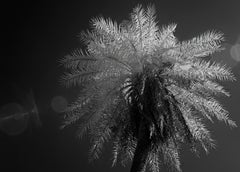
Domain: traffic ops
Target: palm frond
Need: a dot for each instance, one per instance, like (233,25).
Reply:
(171,155)
(108,26)
(209,87)
(77,77)
(207,106)
(77,60)
(197,128)
(166,36)
(154,160)
(203,45)
(201,70)
(116,149)
(215,108)
(101,133)
(138,19)
(214,71)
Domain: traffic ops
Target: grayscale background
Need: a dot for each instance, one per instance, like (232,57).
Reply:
(36,34)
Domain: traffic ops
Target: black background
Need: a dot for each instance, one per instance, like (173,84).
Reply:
(36,34)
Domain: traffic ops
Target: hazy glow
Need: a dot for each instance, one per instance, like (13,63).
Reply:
(59,104)
(13,119)
(235,52)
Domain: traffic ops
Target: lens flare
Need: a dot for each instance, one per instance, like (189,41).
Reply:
(34,113)
(13,119)
(59,104)
(235,52)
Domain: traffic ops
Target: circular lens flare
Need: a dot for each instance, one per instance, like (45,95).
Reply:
(59,104)
(235,52)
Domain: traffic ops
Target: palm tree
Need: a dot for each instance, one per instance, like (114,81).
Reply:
(144,90)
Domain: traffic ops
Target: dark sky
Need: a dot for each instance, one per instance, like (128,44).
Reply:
(37,34)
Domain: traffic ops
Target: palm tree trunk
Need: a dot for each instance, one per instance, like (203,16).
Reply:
(144,141)
(141,152)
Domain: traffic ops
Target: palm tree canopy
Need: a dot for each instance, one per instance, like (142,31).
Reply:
(138,78)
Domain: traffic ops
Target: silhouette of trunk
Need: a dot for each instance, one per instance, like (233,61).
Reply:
(143,144)
(144,141)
